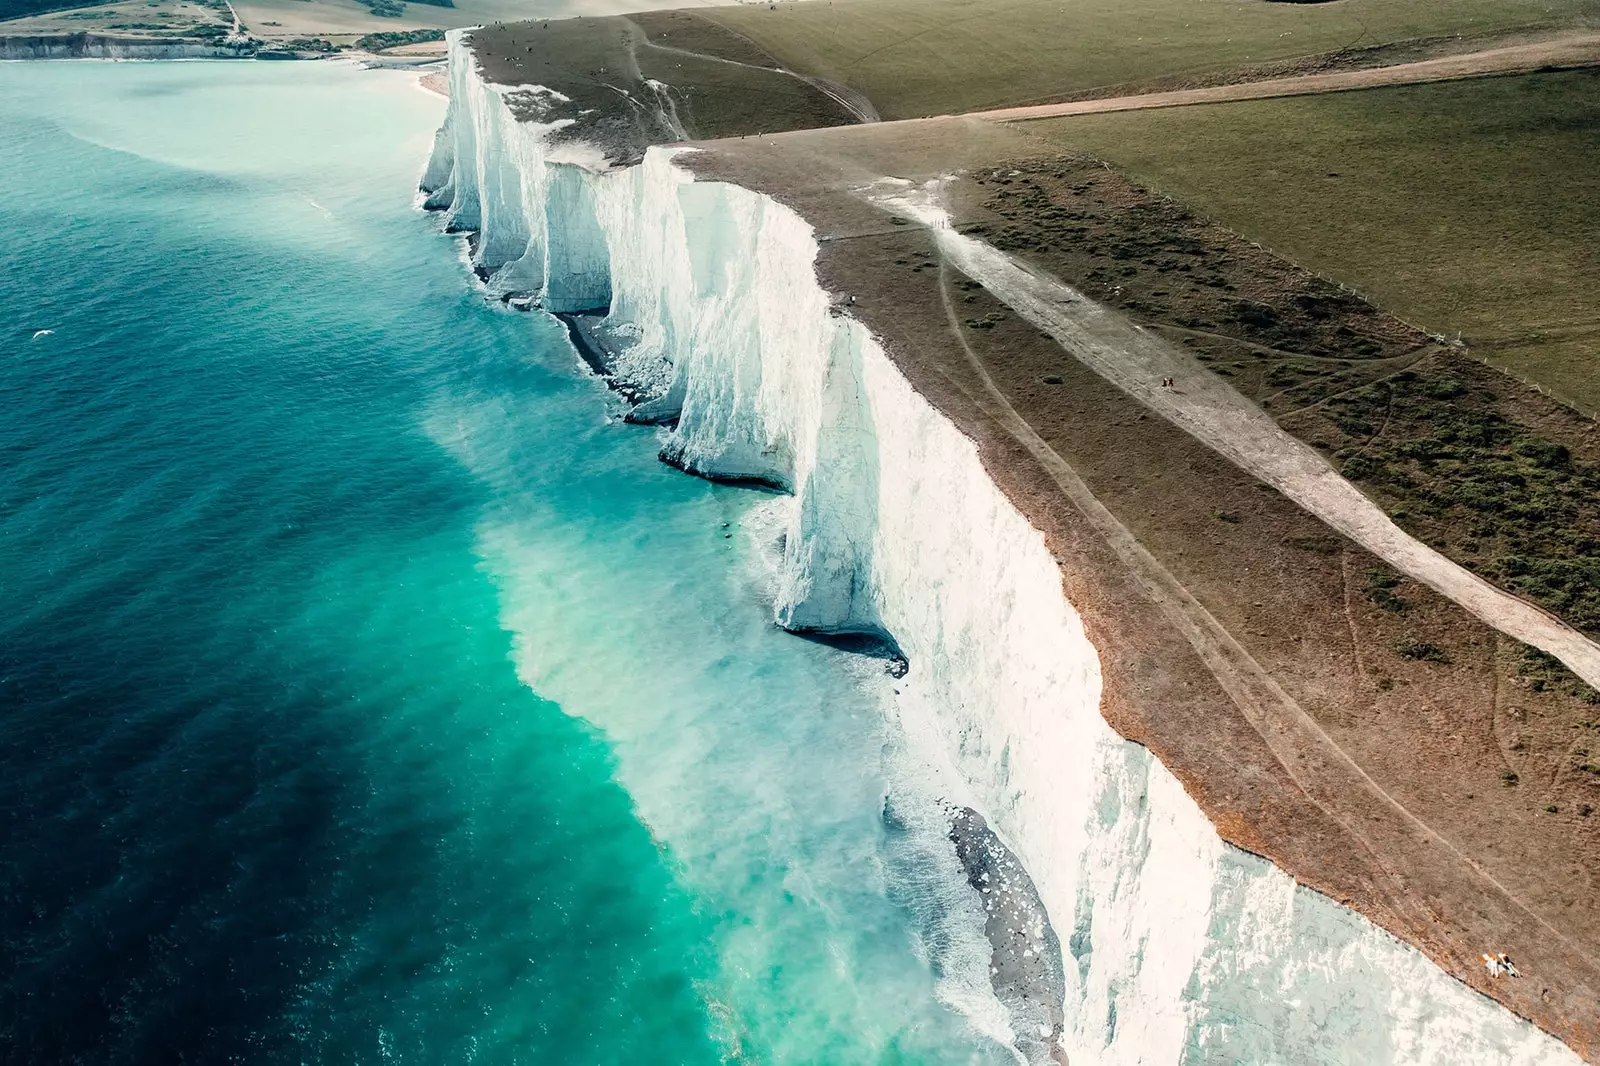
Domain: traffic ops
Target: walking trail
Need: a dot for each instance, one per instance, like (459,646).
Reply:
(1574,51)
(1208,408)
(1323,770)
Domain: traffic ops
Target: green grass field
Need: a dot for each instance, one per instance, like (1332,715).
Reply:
(1470,207)
(929,57)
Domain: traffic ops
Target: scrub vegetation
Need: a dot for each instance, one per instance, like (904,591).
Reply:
(1283,335)
(377,42)
(1496,476)
(1470,208)
(397,8)
(1440,447)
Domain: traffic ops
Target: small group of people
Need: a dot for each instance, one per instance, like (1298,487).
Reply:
(1499,965)
(1168,383)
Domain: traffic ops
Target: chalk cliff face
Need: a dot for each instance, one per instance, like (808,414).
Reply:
(94,46)
(1177,947)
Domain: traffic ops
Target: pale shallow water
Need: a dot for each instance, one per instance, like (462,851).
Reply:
(368,693)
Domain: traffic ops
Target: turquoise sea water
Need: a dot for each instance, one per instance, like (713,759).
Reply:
(367,692)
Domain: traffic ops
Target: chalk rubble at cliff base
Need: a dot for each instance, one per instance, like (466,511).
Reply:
(1178,948)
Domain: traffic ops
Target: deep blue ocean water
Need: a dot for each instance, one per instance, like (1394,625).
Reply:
(368,692)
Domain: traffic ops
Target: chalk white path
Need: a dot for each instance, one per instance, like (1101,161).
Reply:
(1208,408)
(1328,775)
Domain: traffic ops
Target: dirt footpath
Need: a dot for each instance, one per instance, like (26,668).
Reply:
(1581,50)
(1325,710)
(1208,408)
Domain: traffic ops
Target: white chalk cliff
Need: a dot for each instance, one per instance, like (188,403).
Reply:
(1180,948)
(97,46)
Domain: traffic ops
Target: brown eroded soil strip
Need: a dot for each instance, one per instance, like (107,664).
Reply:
(1211,410)
(1342,720)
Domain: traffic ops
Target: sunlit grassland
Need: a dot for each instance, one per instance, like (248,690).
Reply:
(929,57)
(1467,207)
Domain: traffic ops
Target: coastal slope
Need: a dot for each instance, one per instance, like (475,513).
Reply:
(738,315)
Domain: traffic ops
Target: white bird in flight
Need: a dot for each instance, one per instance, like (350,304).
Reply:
(42,333)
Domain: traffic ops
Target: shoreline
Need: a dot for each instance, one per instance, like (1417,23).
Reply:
(1157,689)
(46,47)
(705,448)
